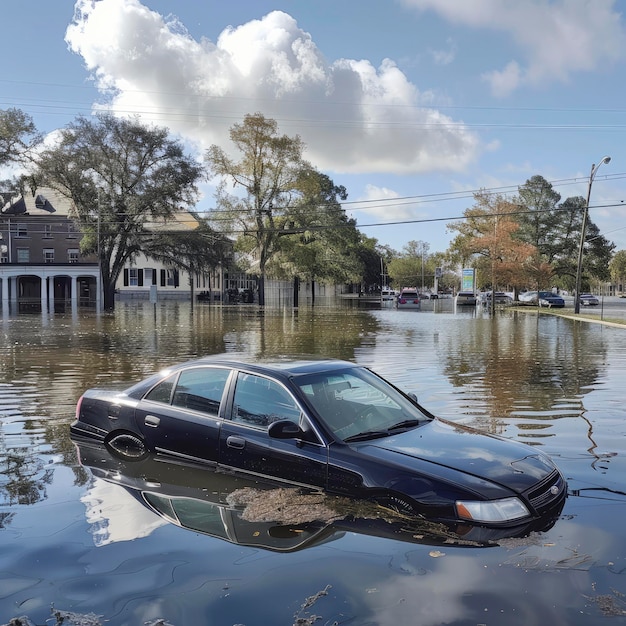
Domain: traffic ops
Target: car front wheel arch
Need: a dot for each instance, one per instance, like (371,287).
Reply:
(397,503)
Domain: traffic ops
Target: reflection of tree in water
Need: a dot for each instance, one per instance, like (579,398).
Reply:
(522,363)
(23,478)
(5,519)
(332,333)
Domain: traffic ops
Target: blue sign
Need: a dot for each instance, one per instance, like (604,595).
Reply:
(469,279)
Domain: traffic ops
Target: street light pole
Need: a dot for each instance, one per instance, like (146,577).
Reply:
(581,247)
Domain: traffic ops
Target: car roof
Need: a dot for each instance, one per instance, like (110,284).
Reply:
(290,366)
(277,367)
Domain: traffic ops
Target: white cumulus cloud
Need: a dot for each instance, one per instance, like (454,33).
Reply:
(354,117)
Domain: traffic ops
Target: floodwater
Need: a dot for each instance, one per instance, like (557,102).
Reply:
(75,539)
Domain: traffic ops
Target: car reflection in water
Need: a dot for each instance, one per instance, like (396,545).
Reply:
(272,516)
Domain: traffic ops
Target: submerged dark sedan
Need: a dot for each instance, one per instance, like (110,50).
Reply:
(329,425)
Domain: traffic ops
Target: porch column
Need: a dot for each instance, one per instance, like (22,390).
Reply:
(44,293)
(51,293)
(74,294)
(5,294)
(98,291)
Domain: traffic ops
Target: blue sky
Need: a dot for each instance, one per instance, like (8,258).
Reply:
(410,104)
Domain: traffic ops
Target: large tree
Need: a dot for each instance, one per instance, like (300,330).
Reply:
(18,135)
(539,217)
(120,175)
(486,239)
(272,176)
(553,227)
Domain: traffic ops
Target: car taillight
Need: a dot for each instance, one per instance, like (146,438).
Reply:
(416,301)
(402,301)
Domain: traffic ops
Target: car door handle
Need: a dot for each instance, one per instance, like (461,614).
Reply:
(152,421)
(239,443)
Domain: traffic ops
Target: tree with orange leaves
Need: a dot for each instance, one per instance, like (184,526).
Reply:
(486,241)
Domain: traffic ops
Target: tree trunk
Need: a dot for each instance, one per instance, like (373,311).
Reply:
(109,297)
(296,291)
(262,289)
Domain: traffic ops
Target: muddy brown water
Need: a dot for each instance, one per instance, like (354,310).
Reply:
(75,539)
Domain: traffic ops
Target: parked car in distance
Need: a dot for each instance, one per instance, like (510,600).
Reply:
(500,298)
(542,299)
(409,298)
(387,293)
(465,298)
(528,297)
(588,299)
(328,425)
(550,300)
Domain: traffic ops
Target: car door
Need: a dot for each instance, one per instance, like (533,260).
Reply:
(181,415)
(245,444)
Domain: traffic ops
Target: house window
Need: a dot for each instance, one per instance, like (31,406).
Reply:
(169,278)
(47,231)
(23,255)
(149,276)
(72,255)
(71,230)
(133,277)
(21,231)
(48,255)
(4,254)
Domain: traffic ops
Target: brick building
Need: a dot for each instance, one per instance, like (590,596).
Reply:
(41,266)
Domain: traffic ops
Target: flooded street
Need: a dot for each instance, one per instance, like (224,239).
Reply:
(76,536)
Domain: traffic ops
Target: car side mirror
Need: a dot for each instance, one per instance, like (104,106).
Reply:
(284,429)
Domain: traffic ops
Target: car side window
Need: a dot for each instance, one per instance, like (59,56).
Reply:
(260,401)
(200,389)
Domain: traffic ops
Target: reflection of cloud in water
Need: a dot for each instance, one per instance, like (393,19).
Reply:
(115,515)
(454,588)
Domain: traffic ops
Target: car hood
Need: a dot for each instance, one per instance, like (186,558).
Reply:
(442,444)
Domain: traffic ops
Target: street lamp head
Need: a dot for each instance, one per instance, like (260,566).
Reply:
(606,159)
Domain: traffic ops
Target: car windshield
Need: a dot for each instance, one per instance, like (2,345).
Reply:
(356,404)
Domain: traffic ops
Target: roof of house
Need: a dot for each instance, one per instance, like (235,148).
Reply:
(44,201)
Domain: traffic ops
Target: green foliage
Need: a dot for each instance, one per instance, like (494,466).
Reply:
(269,173)
(18,136)
(125,180)
(324,243)
(554,227)
(539,216)
(288,215)
(617,267)
(413,266)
